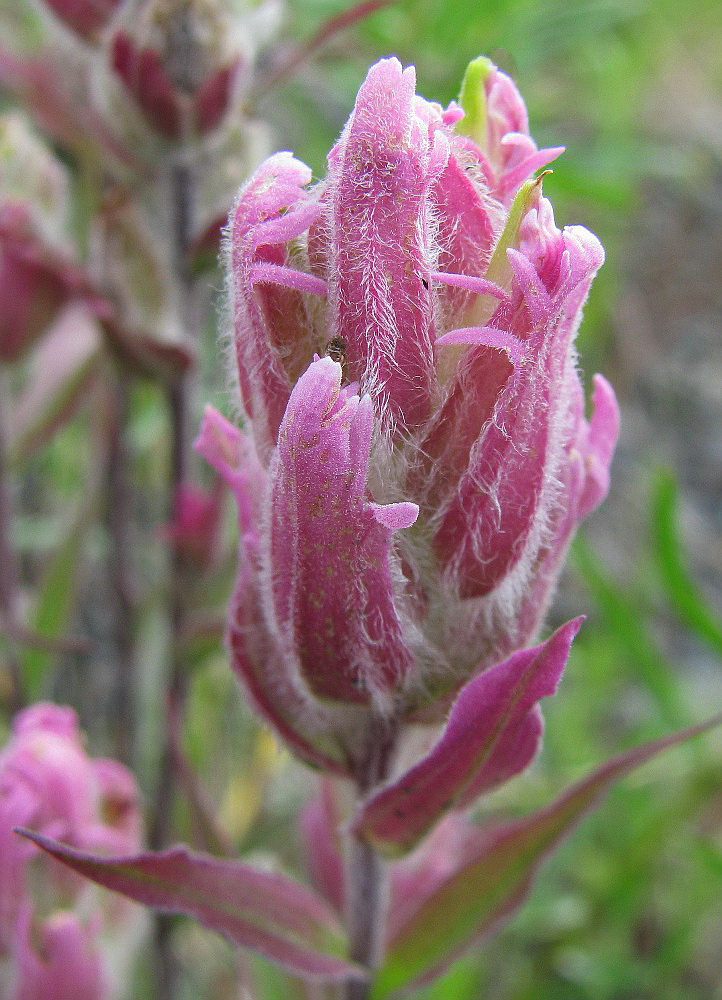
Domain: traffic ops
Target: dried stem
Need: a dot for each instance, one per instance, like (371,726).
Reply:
(367,887)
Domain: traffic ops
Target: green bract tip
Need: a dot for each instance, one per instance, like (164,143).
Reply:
(472,98)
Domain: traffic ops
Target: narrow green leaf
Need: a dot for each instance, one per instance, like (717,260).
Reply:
(626,620)
(681,590)
(54,605)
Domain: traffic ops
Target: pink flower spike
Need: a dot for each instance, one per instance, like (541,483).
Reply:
(492,734)
(443,394)
(330,549)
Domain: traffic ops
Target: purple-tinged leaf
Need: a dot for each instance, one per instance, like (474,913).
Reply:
(489,887)
(452,843)
(319,825)
(265,912)
(493,733)
(62,369)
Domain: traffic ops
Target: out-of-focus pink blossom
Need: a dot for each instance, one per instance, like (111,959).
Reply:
(196,522)
(38,270)
(58,960)
(36,280)
(178,97)
(404,332)
(86,17)
(48,783)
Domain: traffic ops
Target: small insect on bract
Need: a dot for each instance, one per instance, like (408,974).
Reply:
(336,350)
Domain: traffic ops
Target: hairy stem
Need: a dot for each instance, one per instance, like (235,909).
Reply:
(367,884)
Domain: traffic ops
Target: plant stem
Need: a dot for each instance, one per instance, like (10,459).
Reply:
(9,576)
(181,185)
(177,397)
(119,519)
(367,887)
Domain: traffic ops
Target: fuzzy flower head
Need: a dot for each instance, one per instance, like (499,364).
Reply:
(418,455)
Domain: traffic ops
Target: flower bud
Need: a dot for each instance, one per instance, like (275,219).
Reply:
(404,333)
(180,62)
(58,959)
(86,17)
(48,783)
(37,271)
(196,522)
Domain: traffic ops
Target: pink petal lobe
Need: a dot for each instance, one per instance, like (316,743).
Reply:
(598,448)
(488,336)
(59,959)
(267,913)
(331,549)
(492,734)
(512,153)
